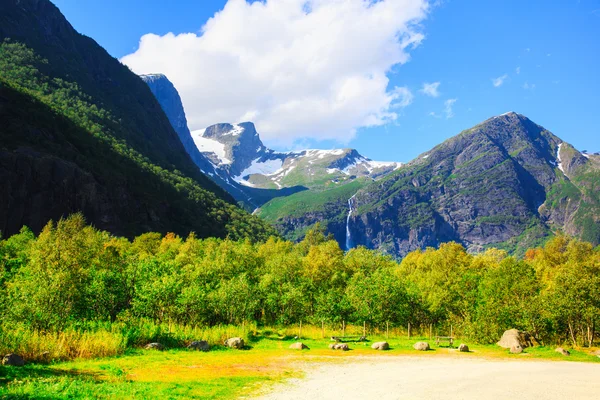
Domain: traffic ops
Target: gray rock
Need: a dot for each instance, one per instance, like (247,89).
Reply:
(562,351)
(13,360)
(421,346)
(339,346)
(516,349)
(380,346)
(201,345)
(514,337)
(298,346)
(235,343)
(463,348)
(154,346)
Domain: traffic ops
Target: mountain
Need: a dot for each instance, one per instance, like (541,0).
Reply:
(240,158)
(81,132)
(506,182)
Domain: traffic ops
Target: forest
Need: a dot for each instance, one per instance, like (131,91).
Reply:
(76,283)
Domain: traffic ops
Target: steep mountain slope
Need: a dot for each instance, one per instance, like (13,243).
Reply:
(83,133)
(237,151)
(506,182)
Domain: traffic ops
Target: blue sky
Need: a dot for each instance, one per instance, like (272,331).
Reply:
(546,52)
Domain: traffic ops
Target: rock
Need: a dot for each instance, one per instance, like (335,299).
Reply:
(201,345)
(421,346)
(562,351)
(235,343)
(298,346)
(514,337)
(463,348)
(516,349)
(380,346)
(154,346)
(339,346)
(14,360)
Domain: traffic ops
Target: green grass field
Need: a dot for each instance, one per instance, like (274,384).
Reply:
(221,373)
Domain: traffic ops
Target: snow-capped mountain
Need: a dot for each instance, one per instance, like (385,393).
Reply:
(237,153)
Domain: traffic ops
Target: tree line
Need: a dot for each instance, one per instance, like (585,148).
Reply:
(72,273)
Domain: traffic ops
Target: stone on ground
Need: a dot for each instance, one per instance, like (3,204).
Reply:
(463,348)
(201,345)
(155,346)
(298,346)
(235,343)
(421,346)
(13,360)
(339,346)
(380,346)
(516,349)
(514,337)
(562,351)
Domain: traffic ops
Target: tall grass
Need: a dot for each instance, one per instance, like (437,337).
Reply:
(109,339)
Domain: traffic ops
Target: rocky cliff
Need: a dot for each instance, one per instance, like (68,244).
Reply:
(506,182)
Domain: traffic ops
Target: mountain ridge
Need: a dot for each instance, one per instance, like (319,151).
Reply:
(498,183)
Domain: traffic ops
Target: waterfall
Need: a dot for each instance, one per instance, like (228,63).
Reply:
(349,244)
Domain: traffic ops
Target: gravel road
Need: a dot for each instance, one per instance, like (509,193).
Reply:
(383,378)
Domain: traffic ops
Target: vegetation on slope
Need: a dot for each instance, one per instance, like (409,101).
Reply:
(75,129)
(294,215)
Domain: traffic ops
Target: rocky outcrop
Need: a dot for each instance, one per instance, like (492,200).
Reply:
(490,184)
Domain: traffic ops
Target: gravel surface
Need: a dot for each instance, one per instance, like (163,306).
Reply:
(443,378)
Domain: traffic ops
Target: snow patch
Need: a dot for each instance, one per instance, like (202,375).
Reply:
(560,166)
(206,145)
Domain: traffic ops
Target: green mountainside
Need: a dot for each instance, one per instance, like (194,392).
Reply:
(81,132)
(506,182)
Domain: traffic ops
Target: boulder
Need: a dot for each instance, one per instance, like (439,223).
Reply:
(562,351)
(154,346)
(421,346)
(14,360)
(463,348)
(201,345)
(339,346)
(380,346)
(298,346)
(516,349)
(235,343)
(514,337)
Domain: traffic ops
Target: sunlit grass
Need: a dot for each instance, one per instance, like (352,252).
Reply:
(225,373)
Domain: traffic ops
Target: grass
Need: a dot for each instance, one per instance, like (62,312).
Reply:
(221,373)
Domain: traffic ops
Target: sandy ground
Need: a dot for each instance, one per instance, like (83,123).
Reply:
(407,377)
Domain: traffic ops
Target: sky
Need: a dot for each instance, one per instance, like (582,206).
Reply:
(391,78)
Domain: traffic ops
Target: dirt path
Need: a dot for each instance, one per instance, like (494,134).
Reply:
(443,378)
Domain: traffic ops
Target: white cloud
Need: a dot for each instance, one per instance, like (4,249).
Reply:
(431,89)
(528,86)
(518,70)
(497,82)
(448,104)
(298,68)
